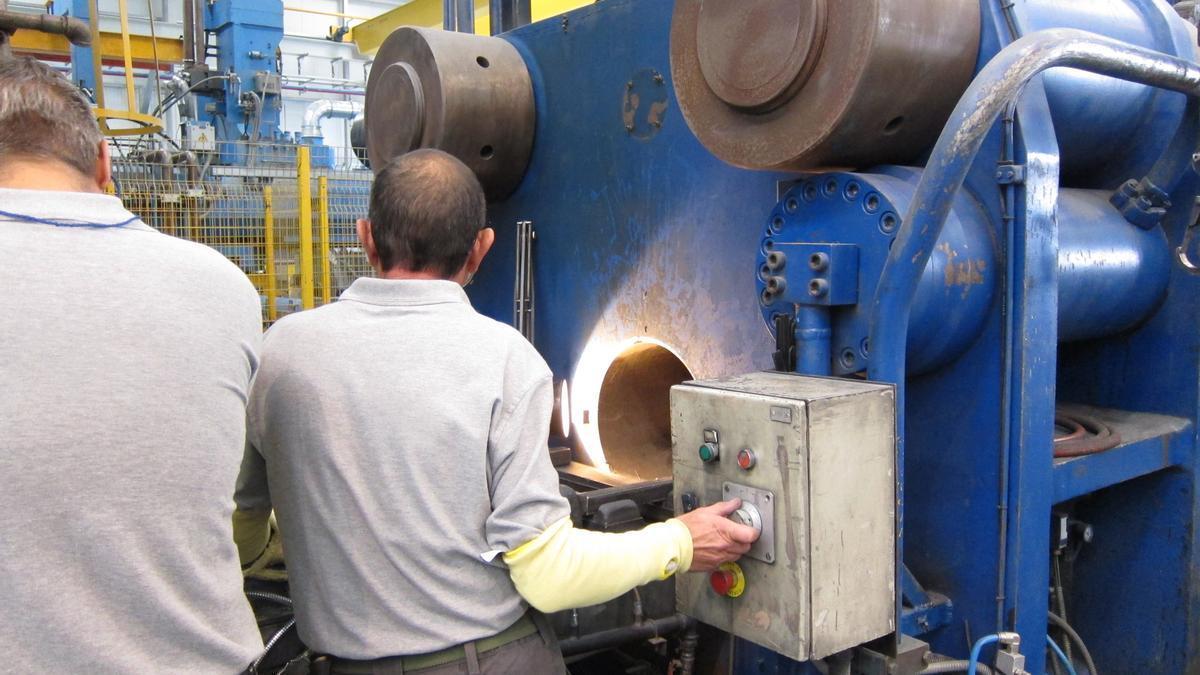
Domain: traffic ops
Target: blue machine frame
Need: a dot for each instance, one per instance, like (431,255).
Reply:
(643,234)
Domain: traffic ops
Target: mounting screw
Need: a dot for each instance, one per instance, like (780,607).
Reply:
(658,78)
(818,261)
(818,287)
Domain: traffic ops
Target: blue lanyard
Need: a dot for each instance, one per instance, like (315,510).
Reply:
(65,223)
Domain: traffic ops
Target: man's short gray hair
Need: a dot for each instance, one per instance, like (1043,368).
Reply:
(44,116)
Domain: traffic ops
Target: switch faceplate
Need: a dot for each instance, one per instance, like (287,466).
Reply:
(764,502)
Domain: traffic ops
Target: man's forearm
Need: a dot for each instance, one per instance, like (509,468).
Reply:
(565,567)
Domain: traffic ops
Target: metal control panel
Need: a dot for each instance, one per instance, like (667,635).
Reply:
(813,461)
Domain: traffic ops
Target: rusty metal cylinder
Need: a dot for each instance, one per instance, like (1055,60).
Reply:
(800,84)
(468,95)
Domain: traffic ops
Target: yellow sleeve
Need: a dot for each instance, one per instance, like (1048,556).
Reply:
(251,533)
(564,567)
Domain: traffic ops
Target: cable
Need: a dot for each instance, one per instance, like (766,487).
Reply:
(952,667)
(176,98)
(1083,650)
(1056,572)
(1061,656)
(276,638)
(270,597)
(973,662)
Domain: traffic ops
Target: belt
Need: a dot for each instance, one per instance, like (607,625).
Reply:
(522,628)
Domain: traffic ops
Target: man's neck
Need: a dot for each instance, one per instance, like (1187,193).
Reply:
(398,273)
(23,174)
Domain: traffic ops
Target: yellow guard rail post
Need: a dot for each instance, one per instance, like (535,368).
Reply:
(304,195)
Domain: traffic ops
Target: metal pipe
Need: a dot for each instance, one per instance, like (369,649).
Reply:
(813,334)
(193,24)
(74,29)
(616,637)
(321,12)
(326,108)
(1000,81)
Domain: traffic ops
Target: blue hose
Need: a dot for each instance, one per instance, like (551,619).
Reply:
(979,645)
(1062,657)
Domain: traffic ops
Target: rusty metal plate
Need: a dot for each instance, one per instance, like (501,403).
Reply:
(801,84)
(756,54)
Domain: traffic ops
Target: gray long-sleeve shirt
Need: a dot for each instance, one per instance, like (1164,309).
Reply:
(127,361)
(403,437)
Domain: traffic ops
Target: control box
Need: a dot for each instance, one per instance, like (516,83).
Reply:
(813,461)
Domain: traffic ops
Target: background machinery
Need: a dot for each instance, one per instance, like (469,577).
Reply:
(975,216)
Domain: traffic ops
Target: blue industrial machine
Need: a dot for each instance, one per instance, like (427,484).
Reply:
(209,187)
(700,189)
(230,86)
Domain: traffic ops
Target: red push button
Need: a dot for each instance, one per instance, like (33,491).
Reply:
(722,581)
(728,580)
(746,459)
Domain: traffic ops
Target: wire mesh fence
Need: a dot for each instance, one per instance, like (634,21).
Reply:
(248,201)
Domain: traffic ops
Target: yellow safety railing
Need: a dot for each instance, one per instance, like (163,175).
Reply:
(287,224)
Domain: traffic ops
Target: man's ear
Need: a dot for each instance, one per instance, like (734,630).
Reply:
(363,227)
(103,171)
(479,250)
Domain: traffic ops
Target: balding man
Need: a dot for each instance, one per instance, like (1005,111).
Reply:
(127,362)
(403,438)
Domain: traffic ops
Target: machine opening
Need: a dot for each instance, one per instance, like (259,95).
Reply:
(634,410)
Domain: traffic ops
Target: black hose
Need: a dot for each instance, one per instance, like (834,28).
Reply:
(1083,650)
(616,637)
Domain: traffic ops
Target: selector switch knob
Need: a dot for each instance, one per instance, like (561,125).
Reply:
(709,452)
(748,514)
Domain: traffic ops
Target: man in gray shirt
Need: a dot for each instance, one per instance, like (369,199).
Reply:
(402,439)
(128,359)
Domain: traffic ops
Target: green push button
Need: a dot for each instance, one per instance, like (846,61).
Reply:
(709,452)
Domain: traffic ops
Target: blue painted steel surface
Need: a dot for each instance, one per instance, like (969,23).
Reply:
(647,235)
(1131,118)
(956,288)
(247,34)
(1111,275)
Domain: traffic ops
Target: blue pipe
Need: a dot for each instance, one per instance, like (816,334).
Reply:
(1000,81)
(1062,657)
(814,354)
(982,642)
(997,84)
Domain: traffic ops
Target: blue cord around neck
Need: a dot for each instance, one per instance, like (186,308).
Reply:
(65,223)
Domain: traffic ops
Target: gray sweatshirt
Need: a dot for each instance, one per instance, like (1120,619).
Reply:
(128,357)
(402,437)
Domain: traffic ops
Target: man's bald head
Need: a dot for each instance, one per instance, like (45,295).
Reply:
(427,209)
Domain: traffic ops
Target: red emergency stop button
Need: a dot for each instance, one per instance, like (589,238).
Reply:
(746,459)
(728,580)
